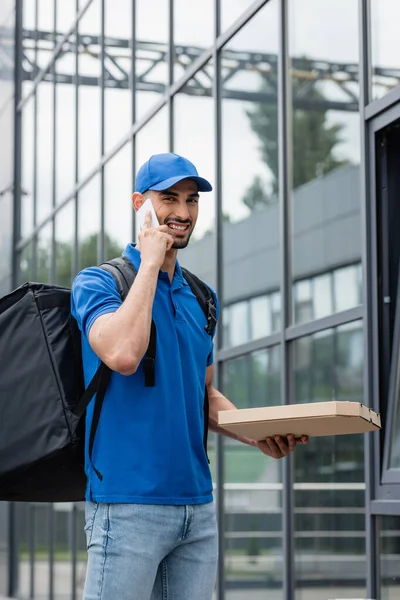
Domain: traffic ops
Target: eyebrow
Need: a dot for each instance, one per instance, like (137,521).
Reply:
(175,194)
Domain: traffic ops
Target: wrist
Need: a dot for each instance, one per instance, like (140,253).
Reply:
(150,267)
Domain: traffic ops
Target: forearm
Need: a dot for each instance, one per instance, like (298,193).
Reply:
(124,335)
(218,402)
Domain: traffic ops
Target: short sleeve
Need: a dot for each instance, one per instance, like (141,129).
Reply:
(210,359)
(94,293)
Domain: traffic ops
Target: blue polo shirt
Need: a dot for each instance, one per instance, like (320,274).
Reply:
(149,442)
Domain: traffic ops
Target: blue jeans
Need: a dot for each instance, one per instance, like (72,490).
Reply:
(150,552)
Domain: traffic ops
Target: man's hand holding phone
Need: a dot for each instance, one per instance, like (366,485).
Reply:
(153,242)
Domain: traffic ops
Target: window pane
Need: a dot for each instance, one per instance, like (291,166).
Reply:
(151,52)
(118,60)
(347,287)
(326,230)
(199,147)
(25,265)
(89,96)
(62,517)
(329,471)
(253,486)
(118,202)
(89,223)
(394,459)
(385,16)
(44,253)
(27,160)
(44,162)
(390,557)
(193,32)
(232,10)
(65,15)
(64,248)
(250,166)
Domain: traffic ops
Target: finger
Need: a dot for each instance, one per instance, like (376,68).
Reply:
(292,442)
(273,448)
(284,448)
(170,241)
(163,229)
(304,439)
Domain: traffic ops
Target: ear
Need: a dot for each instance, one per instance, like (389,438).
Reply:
(137,200)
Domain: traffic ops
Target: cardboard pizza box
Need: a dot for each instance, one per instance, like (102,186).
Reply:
(313,419)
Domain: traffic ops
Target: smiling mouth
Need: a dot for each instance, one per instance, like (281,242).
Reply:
(178,228)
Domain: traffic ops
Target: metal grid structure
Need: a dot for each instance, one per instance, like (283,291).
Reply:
(381,499)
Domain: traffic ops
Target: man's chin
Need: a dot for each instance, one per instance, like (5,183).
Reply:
(180,245)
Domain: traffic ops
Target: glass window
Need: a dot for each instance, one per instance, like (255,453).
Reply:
(65,140)
(118,202)
(385,16)
(44,253)
(65,15)
(118,60)
(89,224)
(347,288)
(250,191)
(45,155)
(151,52)
(394,457)
(27,166)
(25,265)
(260,317)
(193,33)
(232,10)
(389,544)
(322,296)
(62,518)
(329,471)
(64,244)
(253,485)
(239,325)
(326,222)
(195,139)
(89,96)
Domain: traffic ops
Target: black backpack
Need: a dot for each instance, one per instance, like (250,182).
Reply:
(43,400)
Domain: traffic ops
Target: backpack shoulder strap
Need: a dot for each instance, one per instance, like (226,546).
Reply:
(123,272)
(205,298)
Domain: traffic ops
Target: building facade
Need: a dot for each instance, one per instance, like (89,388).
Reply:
(292,109)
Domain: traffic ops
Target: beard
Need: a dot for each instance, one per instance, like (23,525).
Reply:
(181,244)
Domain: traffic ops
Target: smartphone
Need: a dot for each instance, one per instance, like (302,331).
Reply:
(141,215)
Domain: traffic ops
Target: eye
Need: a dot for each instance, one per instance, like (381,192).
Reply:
(193,200)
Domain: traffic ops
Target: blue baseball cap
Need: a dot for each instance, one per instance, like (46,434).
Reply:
(162,171)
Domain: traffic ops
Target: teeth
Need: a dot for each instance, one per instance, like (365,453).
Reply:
(178,227)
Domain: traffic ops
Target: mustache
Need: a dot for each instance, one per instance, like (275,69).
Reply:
(179,221)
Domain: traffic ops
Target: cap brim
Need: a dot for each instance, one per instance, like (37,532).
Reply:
(202,184)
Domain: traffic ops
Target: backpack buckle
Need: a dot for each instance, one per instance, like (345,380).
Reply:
(211,317)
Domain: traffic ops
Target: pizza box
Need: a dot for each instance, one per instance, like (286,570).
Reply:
(313,419)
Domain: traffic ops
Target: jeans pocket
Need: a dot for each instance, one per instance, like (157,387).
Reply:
(90,516)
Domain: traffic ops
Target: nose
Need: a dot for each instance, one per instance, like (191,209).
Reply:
(182,211)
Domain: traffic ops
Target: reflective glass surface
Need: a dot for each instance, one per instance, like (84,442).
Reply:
(326,221)
(64,244)
(89,224)
(329,472)
(118,202)
(152,26)
(253,486)
(250,179)
(385,46)
(389,544)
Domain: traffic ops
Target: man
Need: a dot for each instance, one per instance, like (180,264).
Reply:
(150,521)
